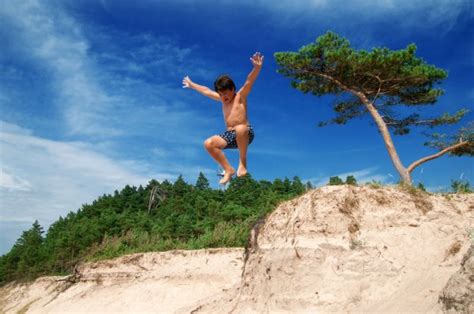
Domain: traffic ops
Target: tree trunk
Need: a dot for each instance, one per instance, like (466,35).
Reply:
(406,178)
(402,171)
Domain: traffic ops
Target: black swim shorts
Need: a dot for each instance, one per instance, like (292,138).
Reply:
(231,137)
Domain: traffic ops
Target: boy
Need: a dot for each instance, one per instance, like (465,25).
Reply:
(239,133)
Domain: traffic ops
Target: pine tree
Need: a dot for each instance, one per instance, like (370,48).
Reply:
(202,182)
(28,257)
(374,83)
(180,187)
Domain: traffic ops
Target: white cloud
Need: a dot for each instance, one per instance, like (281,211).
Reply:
(11,182)
(362,176)
(6,127)
(55,40)
(96,91)
(42,179)
(409,14)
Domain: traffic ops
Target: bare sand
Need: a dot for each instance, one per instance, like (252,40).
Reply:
(334,249)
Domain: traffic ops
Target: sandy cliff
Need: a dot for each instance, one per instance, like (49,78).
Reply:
(336,248)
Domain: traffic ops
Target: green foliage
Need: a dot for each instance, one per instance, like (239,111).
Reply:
(465,134)
(375,184)
(351,180)
(384,77)
(332,66)
(421,187)
(415,191)
(188,217)
(335,181)
(24,259)
(374,83)
(202,182)
(459,186)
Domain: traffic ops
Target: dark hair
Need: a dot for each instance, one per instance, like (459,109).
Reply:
(224,82)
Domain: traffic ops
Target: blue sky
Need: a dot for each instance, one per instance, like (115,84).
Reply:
(91,96)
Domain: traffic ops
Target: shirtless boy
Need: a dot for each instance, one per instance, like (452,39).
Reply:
(239,133)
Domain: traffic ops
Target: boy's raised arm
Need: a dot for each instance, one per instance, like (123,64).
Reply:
(206,91)
(257,61)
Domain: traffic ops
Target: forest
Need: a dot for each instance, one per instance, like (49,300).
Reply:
(161,216)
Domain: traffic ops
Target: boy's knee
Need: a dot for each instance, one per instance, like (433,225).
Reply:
(211,143)
(208,143)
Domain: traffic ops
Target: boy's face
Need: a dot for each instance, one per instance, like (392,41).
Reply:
(226,95)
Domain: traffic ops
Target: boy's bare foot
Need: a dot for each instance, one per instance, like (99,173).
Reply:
(242,171)
(227,176)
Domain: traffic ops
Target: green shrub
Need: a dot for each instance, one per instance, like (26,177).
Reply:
(335,181)
(351,180)
(461,186)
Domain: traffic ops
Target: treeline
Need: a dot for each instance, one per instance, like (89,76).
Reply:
(179,216)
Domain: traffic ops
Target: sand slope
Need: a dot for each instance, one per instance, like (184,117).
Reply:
(334,249)
(151,282)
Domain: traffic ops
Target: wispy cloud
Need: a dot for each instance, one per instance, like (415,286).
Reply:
(145,56)
(45,176)
(123,77)
(56,41)
(119,93)
(435,13)
(42,179)
(12,182)
(362,176)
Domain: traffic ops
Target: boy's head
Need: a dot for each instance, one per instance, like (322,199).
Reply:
(225,87)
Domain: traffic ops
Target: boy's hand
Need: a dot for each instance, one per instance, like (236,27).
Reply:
(257,60)
(187,82)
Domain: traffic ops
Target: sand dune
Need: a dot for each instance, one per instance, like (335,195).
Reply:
(334,249)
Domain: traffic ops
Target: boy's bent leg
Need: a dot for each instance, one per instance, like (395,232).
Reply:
(242,135)
(214,146)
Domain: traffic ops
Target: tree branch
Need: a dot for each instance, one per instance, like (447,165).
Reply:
(338,83)
(396,122)
(434,156)
(378,93)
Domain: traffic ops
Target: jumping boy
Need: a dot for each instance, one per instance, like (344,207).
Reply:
(239,133)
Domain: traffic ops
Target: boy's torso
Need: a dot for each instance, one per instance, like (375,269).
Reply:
(235,112)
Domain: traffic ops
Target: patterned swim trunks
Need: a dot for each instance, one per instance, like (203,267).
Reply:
(231,137)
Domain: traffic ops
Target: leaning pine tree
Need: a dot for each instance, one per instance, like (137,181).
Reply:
(374,83)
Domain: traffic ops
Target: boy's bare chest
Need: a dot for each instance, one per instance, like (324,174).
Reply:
(235,108)
(235,113)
